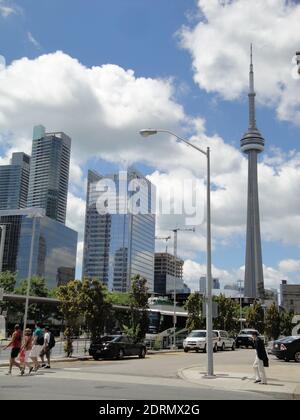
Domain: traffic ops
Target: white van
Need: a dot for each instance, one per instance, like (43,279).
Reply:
(197,340)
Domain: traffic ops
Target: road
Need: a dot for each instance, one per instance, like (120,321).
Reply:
(155,377)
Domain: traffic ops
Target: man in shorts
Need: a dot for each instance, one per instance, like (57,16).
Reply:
(46,349)
(38,343)
(15,344)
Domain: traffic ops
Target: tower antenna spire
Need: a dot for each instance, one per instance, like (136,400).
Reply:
(252,94)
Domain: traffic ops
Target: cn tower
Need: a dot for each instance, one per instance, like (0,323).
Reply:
(252,144)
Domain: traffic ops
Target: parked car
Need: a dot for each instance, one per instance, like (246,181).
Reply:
(116,346)
(244,338)
(287,348)
(224,340)
(197,340)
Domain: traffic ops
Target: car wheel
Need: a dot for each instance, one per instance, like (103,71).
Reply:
(233,347)
(121,354)
(247,347)
(186,350)
(297,357)
(197,350)
(204,349)
(223,347)
(216,348)
(142,354)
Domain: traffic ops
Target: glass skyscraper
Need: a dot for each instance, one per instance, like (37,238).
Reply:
(55,247)
(49,173)
(14,181)
(119,244)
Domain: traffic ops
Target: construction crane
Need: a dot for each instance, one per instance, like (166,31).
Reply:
(164,238)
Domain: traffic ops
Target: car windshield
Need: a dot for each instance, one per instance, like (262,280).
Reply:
(246,332)
(198,334)
(108,338)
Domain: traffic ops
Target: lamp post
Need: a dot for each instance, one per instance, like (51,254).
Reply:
(209,332)
(241,308)
(2,244)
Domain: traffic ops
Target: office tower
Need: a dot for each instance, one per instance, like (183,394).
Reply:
(166,267)
(14,180)
(55,246)
(202,284)
(290,297)
(49,173)
(216,284)
(119,244)
(252,144)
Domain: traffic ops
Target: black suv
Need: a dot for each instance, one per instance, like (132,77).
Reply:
(116,346)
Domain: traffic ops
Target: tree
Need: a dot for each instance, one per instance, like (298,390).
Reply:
(39,312)
(71,307)
(8,281)
(193,306)
(286,324)
(96,307)
(272,322)
(228,314)
(139,321)
(255,317)
(118,298)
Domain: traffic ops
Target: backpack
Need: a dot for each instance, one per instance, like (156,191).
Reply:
(40,340)
(51,341)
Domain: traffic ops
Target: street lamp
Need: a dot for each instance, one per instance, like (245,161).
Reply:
(241,308)
(2,244)
(210,365)
(34,214)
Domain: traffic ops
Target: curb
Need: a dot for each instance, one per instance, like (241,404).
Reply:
(278,395)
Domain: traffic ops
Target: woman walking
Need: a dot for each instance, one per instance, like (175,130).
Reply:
(25,351)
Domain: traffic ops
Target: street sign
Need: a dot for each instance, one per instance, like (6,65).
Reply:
(2,328)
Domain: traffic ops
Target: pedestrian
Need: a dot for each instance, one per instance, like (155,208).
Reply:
(25,351)
(38,343)
(261,360)
(48,345)
(15,344)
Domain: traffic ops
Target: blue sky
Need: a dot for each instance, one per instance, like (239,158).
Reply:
(147,36)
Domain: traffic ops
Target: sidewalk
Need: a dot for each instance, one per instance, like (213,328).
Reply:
(281,385)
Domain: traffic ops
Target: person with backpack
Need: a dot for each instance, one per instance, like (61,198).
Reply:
(15,344)
(49,343)
(38,343)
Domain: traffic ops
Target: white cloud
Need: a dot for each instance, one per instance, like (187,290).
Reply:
(33,40)
(6,8)
(290,266)
(101,108)
(192,271)
(76,214)
(219,46)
